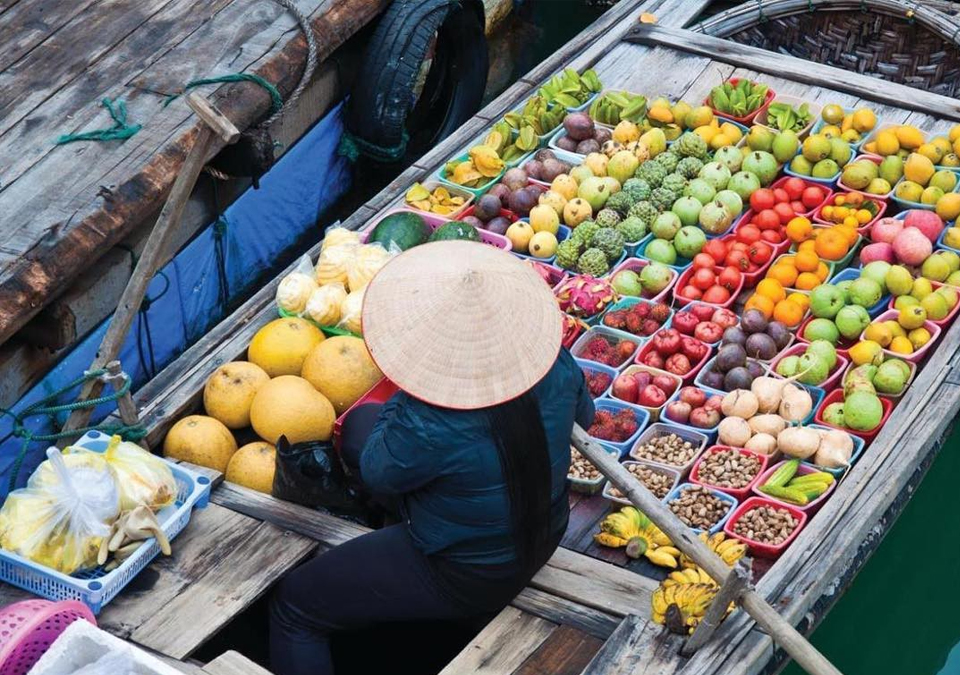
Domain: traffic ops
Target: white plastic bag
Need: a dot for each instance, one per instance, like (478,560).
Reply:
(143,479)
(323,307)
(337,236)
(369,259)
(295,289)
(350,312)
(62,516)
(333,263)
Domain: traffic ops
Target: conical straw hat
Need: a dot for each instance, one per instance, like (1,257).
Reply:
(461,325)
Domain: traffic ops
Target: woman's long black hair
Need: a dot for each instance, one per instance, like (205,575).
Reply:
(517,430)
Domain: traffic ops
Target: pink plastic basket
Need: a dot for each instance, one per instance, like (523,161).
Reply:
(28,628)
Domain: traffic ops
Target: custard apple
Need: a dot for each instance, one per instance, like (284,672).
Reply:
(645,211)
(607,218)
(610,241)
(663,198)
(620,202)
(593,261)
(689,167)
(632,228)
(568,252)
(690,145)
(668,160)
(652,173)
(674,182)
(584,232)
(637,188)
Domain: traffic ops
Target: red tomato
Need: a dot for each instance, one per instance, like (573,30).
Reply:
(716,295)
(785,212)
(759,253)
(798,207)
(752,268)
(772,236)
(780,196)
(738,246)
(703,261)
(794,187)
(762,199)
(748,233)
(690,292)
(716,249)
(730,278)
(738,259)
(768,219)
(812,197)
(703,279)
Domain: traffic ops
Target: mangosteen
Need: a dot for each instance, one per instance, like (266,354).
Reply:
(755,368)
(544,154)
(587,146)
(761,346)
(730,356)
(780,334)
(515,179)
(579,126)
(534,169)
(567,143)
(738,378)
(713,379)
(488,206)
(567,167)
(521,201)
(498,225)
(753,321)
(473,220)
(501,192)
(551,169)
(602,135)
(733,335)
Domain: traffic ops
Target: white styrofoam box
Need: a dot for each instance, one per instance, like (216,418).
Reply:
(81,648)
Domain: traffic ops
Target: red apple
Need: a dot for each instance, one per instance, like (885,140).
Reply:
(643,378)
(704,418)
(724,318)
(708,332)
(653,359)
(667,341)
(678,411)
(625,388)
(686,321)
(652,396)
(702,312)
(695,396)
(678,364)
(667,384)
(693,349)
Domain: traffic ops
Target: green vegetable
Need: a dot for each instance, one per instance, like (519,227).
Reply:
(614,107)
(783,117)
(738,100)
(783,475)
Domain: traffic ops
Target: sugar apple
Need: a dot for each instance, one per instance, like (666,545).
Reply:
(674,182)
(668,160)
(637,188)
(689,167)
(645,211)
(568,252)
(663,198)
(593,261)
(652,173)
(632,228)
(620,202)
(610,241)
(690,145)
(584,231)
(607,218)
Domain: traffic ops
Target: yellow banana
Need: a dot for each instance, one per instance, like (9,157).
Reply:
(660,557)
(611,540)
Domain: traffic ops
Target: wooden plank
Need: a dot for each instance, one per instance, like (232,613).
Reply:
(797,69)
(184,667)
(502,646)
(234,663)
(637,647)
(28,24)
(566,612)
(565,652)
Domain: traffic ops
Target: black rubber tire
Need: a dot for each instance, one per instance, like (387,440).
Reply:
(382,100)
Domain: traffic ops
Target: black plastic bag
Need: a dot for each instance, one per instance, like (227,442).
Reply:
(310,474)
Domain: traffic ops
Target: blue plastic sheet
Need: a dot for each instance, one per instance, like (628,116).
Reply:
(185,298)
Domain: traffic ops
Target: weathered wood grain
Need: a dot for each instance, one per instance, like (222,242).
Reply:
(565,652)
(502,646)
(28,24)
(566,612)
(233,663)
(637,647)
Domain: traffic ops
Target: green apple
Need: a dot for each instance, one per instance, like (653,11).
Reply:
(852,320)
(825,301)
(822,329)
(865,292)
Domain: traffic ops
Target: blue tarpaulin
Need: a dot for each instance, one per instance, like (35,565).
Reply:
(187,296)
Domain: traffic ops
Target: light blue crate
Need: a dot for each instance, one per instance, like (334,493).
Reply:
(96,588)
(723,496)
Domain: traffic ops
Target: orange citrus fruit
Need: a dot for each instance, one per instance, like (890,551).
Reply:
(807,281)
(788,312)
(772,289)
(760,303)
(807,261)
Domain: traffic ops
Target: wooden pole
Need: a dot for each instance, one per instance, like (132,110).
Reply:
(116,378)
(683,538)
(214,124)
(729,592)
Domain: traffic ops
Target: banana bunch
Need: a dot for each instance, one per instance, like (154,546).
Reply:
(738,100)
(631,529)
(613,107)
(501,138)
(570,89)
(728,548)
(691,575)
(536,114)
(681,606)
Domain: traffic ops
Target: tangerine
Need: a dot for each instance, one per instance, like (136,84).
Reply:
(785,273)
(823,271)
(761,303)
(807,260)
(807,281)
(800,299)
(799,229)
(771,288)
(789,313)
(830,245)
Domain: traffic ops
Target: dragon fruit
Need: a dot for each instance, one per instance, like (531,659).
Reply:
(585,295)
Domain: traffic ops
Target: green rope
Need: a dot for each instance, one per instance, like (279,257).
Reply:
(352,147)
(44,407)
(276,101)
(119,131)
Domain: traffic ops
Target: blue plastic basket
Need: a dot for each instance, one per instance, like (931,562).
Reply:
(641,415)
(95,588)
(940,243)
(679,265)
(732,501)
(852,274)
(563,233)
(858,444)
(595,367)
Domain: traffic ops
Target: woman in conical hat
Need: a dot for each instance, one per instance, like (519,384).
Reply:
(475,448)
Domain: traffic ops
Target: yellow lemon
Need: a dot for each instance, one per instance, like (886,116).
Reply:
(851,136)
(866,351)
(895,328)
(706,132)
(731,131)
(918,168)
(720,140)
(918,337)
(931,152)
(954,133)
(909,136)
(864,120)
(901,345)
(879,333)
(942,144)
(912,317)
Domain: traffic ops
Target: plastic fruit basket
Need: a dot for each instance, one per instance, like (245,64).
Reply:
(841,263)
(895,398)
(836,396)
(751,279)
(563,233)
(709,432)
(697,439)
(594,486)
(434,222)
(640,415)
(625,303)
(821,123)
(379,393)
(654,412)
(698,381)
(477,192)
(679,265)
(739,493)
(689,378)
(680,301)
(29,627)
(694,303)
(940,241)
(835,375)
(876,160)
(864,230)
(454,190)
(858,445)
(813,107)
(843,345)
(505,213)
(594,367)
(672,474)
(802,470)
(917,355)
(97,587)
(637,265)
(756,548)
(852,274)
(613,336)
(943,323)
(907,204)
(732,501)
(778,249)
(749,117)
(828,182)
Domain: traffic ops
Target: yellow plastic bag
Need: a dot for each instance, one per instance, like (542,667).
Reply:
(144,479)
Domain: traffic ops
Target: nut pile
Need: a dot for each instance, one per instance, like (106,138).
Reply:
(667,449)
(580,467)
(657,482)
(698,507)
(728,469)
(766,524)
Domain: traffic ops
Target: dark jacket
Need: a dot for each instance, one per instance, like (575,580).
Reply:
(444,464)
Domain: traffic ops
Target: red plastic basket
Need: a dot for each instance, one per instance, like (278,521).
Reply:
(756,548)
(689,377)
(739,493)
(836,373)
(802,470)
(680,301)
(28,628)
(836,396)
(380,393)
(748,118)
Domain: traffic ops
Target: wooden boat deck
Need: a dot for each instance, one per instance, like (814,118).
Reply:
(587,611)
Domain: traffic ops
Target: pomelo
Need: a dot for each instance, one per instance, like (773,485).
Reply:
(229,392)
(342,370)
(200,440)
(281,346)
(253,466)
(289,406)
